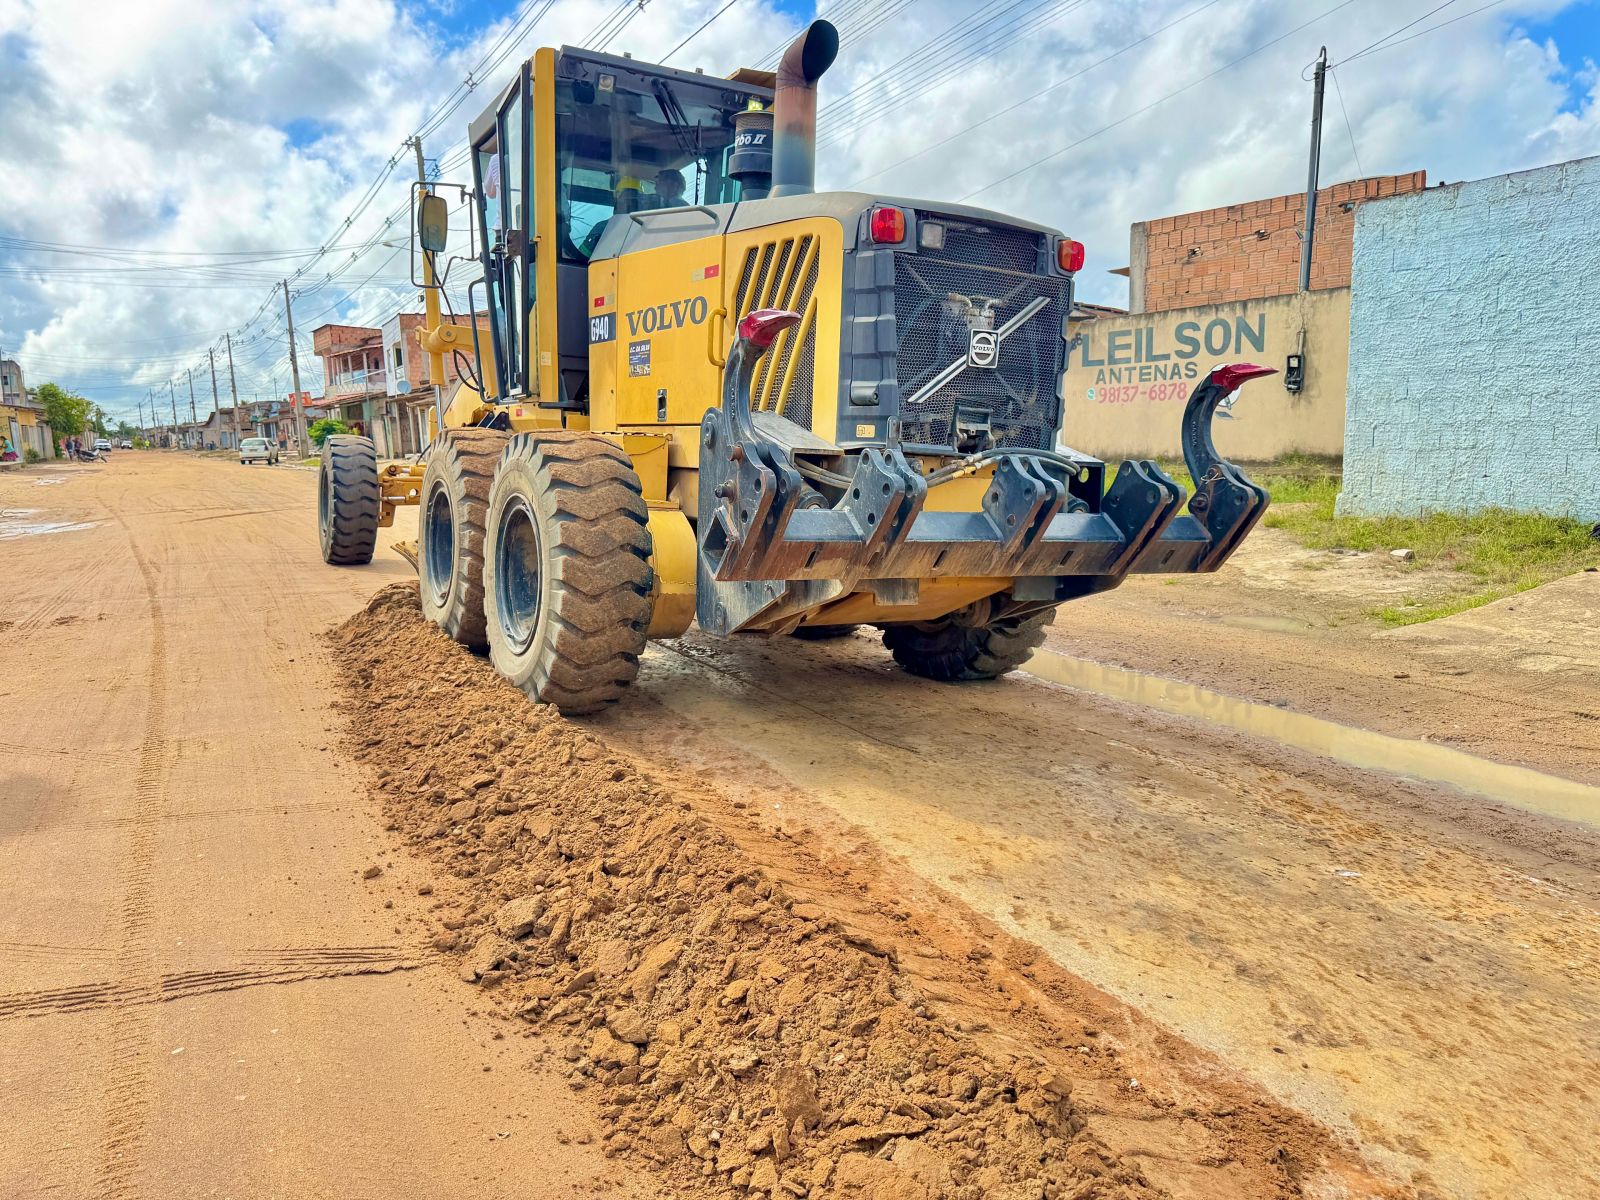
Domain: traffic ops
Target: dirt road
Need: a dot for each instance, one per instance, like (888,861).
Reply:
(202,995)
(199,993)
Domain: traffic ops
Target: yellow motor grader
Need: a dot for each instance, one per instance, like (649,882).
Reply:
(702,391)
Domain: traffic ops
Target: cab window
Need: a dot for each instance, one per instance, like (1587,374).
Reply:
(628,144)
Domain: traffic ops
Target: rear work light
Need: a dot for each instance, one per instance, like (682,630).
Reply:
(887,226)
(1069,255)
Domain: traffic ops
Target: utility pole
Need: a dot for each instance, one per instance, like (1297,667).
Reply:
(1320,80)
(294,370)
(233,386)
(211,356)
(173,389)
(194,417)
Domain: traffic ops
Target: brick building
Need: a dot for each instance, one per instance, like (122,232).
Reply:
(409,373)
(1250,251)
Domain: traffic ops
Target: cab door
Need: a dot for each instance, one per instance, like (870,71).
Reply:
(506,221)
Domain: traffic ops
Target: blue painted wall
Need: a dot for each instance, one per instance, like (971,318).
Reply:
(1474,340)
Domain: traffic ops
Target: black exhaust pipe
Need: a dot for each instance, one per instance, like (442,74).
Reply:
(794,147)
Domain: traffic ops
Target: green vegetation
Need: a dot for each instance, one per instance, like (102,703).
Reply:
(65,412)
(325,428)
(1499,551)
(30,455)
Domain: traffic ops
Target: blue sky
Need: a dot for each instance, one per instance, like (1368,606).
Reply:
(164,130)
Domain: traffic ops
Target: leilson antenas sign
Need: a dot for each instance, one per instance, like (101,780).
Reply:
(1118,366)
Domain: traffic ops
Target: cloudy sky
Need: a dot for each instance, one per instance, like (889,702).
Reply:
(165,162)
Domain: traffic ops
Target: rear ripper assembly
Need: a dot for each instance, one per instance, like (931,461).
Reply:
(781,529)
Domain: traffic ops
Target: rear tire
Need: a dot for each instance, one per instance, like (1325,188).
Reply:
(347,501)
(450,531)
(823,633)
(567,577)
(951,652)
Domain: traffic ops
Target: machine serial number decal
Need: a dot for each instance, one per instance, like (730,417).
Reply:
(603,328)
(639,358)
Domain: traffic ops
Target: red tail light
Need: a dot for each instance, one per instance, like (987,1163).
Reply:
(887,226)
(1069,255)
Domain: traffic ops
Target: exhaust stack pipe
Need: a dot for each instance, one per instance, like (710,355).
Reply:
(794,145)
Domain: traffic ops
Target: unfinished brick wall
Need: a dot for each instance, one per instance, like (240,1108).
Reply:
(1250,251)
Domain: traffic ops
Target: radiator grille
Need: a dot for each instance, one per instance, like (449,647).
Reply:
(1001,264)
(783,274)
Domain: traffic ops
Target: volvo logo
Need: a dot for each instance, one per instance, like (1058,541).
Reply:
(984,349)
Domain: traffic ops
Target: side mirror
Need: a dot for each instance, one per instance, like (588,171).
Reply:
(433,223)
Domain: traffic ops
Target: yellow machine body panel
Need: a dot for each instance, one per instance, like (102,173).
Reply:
(795,265)
(661,321)
(654,309)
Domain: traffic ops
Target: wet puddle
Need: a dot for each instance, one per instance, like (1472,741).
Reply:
(1521,787)
(23,522)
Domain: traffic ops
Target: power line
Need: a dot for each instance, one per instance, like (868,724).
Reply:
(703,27)
(1430,29)
(1339,95)
(1369,49)
(1158,101)
(994,116)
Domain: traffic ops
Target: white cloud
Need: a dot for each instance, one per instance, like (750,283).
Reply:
(257,125)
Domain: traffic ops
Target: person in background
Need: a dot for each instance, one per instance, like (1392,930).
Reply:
(669,188)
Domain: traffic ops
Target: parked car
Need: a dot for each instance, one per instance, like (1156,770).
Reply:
(125,444)
(102,445)
(257,450)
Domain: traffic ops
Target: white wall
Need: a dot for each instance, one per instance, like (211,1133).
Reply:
(1474,327)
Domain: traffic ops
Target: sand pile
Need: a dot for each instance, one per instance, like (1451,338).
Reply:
(727,1029)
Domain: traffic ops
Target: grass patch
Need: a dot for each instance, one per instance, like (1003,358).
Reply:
(1501,552)
(1293,479)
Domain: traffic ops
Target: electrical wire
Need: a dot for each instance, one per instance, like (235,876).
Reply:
(1339,95)
(1388,45)
(1190,86)
(1026,100)
(1386,37)
(703,27)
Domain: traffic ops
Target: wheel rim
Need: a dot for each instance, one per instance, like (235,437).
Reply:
(324,501)
(516,574)
(441,560)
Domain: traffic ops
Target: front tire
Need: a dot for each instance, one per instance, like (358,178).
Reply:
(347,501)
(950,651)
(450,536)
(567,577)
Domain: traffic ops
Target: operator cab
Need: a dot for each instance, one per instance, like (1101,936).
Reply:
(625,141)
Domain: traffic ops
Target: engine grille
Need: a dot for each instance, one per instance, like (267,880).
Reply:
(783,274)
(1001,264)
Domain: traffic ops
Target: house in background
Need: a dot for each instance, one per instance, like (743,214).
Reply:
(410,374)
(354,387)
(378,380)
(21,416)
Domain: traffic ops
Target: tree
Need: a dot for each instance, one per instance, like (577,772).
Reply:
(125,432)
(325,428)
(67,413)
(97,417)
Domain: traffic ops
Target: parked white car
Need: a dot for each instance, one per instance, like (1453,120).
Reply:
(125,444)
(103,445)
(257,450)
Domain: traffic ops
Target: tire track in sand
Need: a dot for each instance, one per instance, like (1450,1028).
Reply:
(127,1075)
